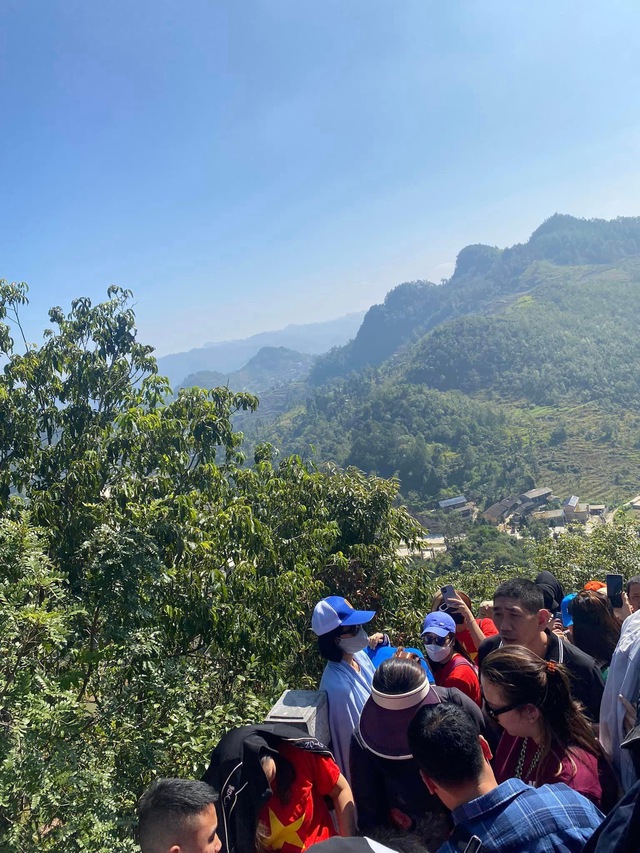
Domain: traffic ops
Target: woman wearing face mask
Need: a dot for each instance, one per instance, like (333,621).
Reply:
(450,663)
(349,671)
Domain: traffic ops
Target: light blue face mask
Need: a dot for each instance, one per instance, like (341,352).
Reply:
(351,645)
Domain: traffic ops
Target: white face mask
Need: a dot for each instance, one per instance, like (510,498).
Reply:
(438,653)
(351,645)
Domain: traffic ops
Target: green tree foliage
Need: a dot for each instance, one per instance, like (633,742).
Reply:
(484,546)
(576,559)
(434,442)
(156,589)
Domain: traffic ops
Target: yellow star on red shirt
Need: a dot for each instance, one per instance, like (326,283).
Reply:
(281,834)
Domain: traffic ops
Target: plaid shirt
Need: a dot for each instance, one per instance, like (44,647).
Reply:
(516,818)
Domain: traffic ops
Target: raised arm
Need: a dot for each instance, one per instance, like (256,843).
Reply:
(469,621)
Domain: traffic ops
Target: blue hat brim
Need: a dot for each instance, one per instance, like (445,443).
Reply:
(437,629)
(439,632)
(358,617)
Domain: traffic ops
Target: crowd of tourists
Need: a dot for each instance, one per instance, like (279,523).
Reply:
(512,731)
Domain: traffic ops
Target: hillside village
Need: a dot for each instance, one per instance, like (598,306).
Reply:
(516,510)
(512,513)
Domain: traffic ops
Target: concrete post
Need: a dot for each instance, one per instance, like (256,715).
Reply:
(306,709)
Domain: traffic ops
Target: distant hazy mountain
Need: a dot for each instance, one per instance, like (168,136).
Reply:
(270,368)
(228,356)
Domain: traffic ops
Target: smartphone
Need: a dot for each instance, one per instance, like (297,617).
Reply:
(614,589)
(449,592)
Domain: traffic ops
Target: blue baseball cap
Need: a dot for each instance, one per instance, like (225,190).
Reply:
(439,623)
(567,618)
(335,611)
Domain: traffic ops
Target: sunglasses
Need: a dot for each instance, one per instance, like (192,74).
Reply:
(431,639)
(494,713)
(350,630)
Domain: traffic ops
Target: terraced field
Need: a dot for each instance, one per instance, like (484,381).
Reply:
(583,449)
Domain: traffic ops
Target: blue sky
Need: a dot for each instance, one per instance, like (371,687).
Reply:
(244,164)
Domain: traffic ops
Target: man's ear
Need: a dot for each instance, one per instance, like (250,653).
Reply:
(486,749)
(428,781)
(543,617)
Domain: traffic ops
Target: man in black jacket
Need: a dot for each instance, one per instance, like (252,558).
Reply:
(521,619)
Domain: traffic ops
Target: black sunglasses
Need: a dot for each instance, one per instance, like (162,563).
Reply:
(350,630)
(494,713)
(432,639)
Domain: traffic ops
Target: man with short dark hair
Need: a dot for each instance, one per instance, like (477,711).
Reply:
(521,619)
(178,816)
(633,593)
(507,818)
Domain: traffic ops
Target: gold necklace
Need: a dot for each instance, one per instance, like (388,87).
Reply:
(534,761)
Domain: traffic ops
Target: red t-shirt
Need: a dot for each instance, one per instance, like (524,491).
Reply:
(464,637)
(459,673)
(577,768)
(305,819)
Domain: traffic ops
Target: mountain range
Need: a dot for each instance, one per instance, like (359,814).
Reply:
(523,367)
(225,357)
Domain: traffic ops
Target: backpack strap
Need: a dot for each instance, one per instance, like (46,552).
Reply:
(461,660)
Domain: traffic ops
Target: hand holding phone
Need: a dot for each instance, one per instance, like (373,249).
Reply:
(614,589)
(557,625)
(449,603)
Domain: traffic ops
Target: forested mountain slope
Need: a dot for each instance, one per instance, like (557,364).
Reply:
(405,312)
(432,440)
(572,330)
(482,275)
(524,367)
